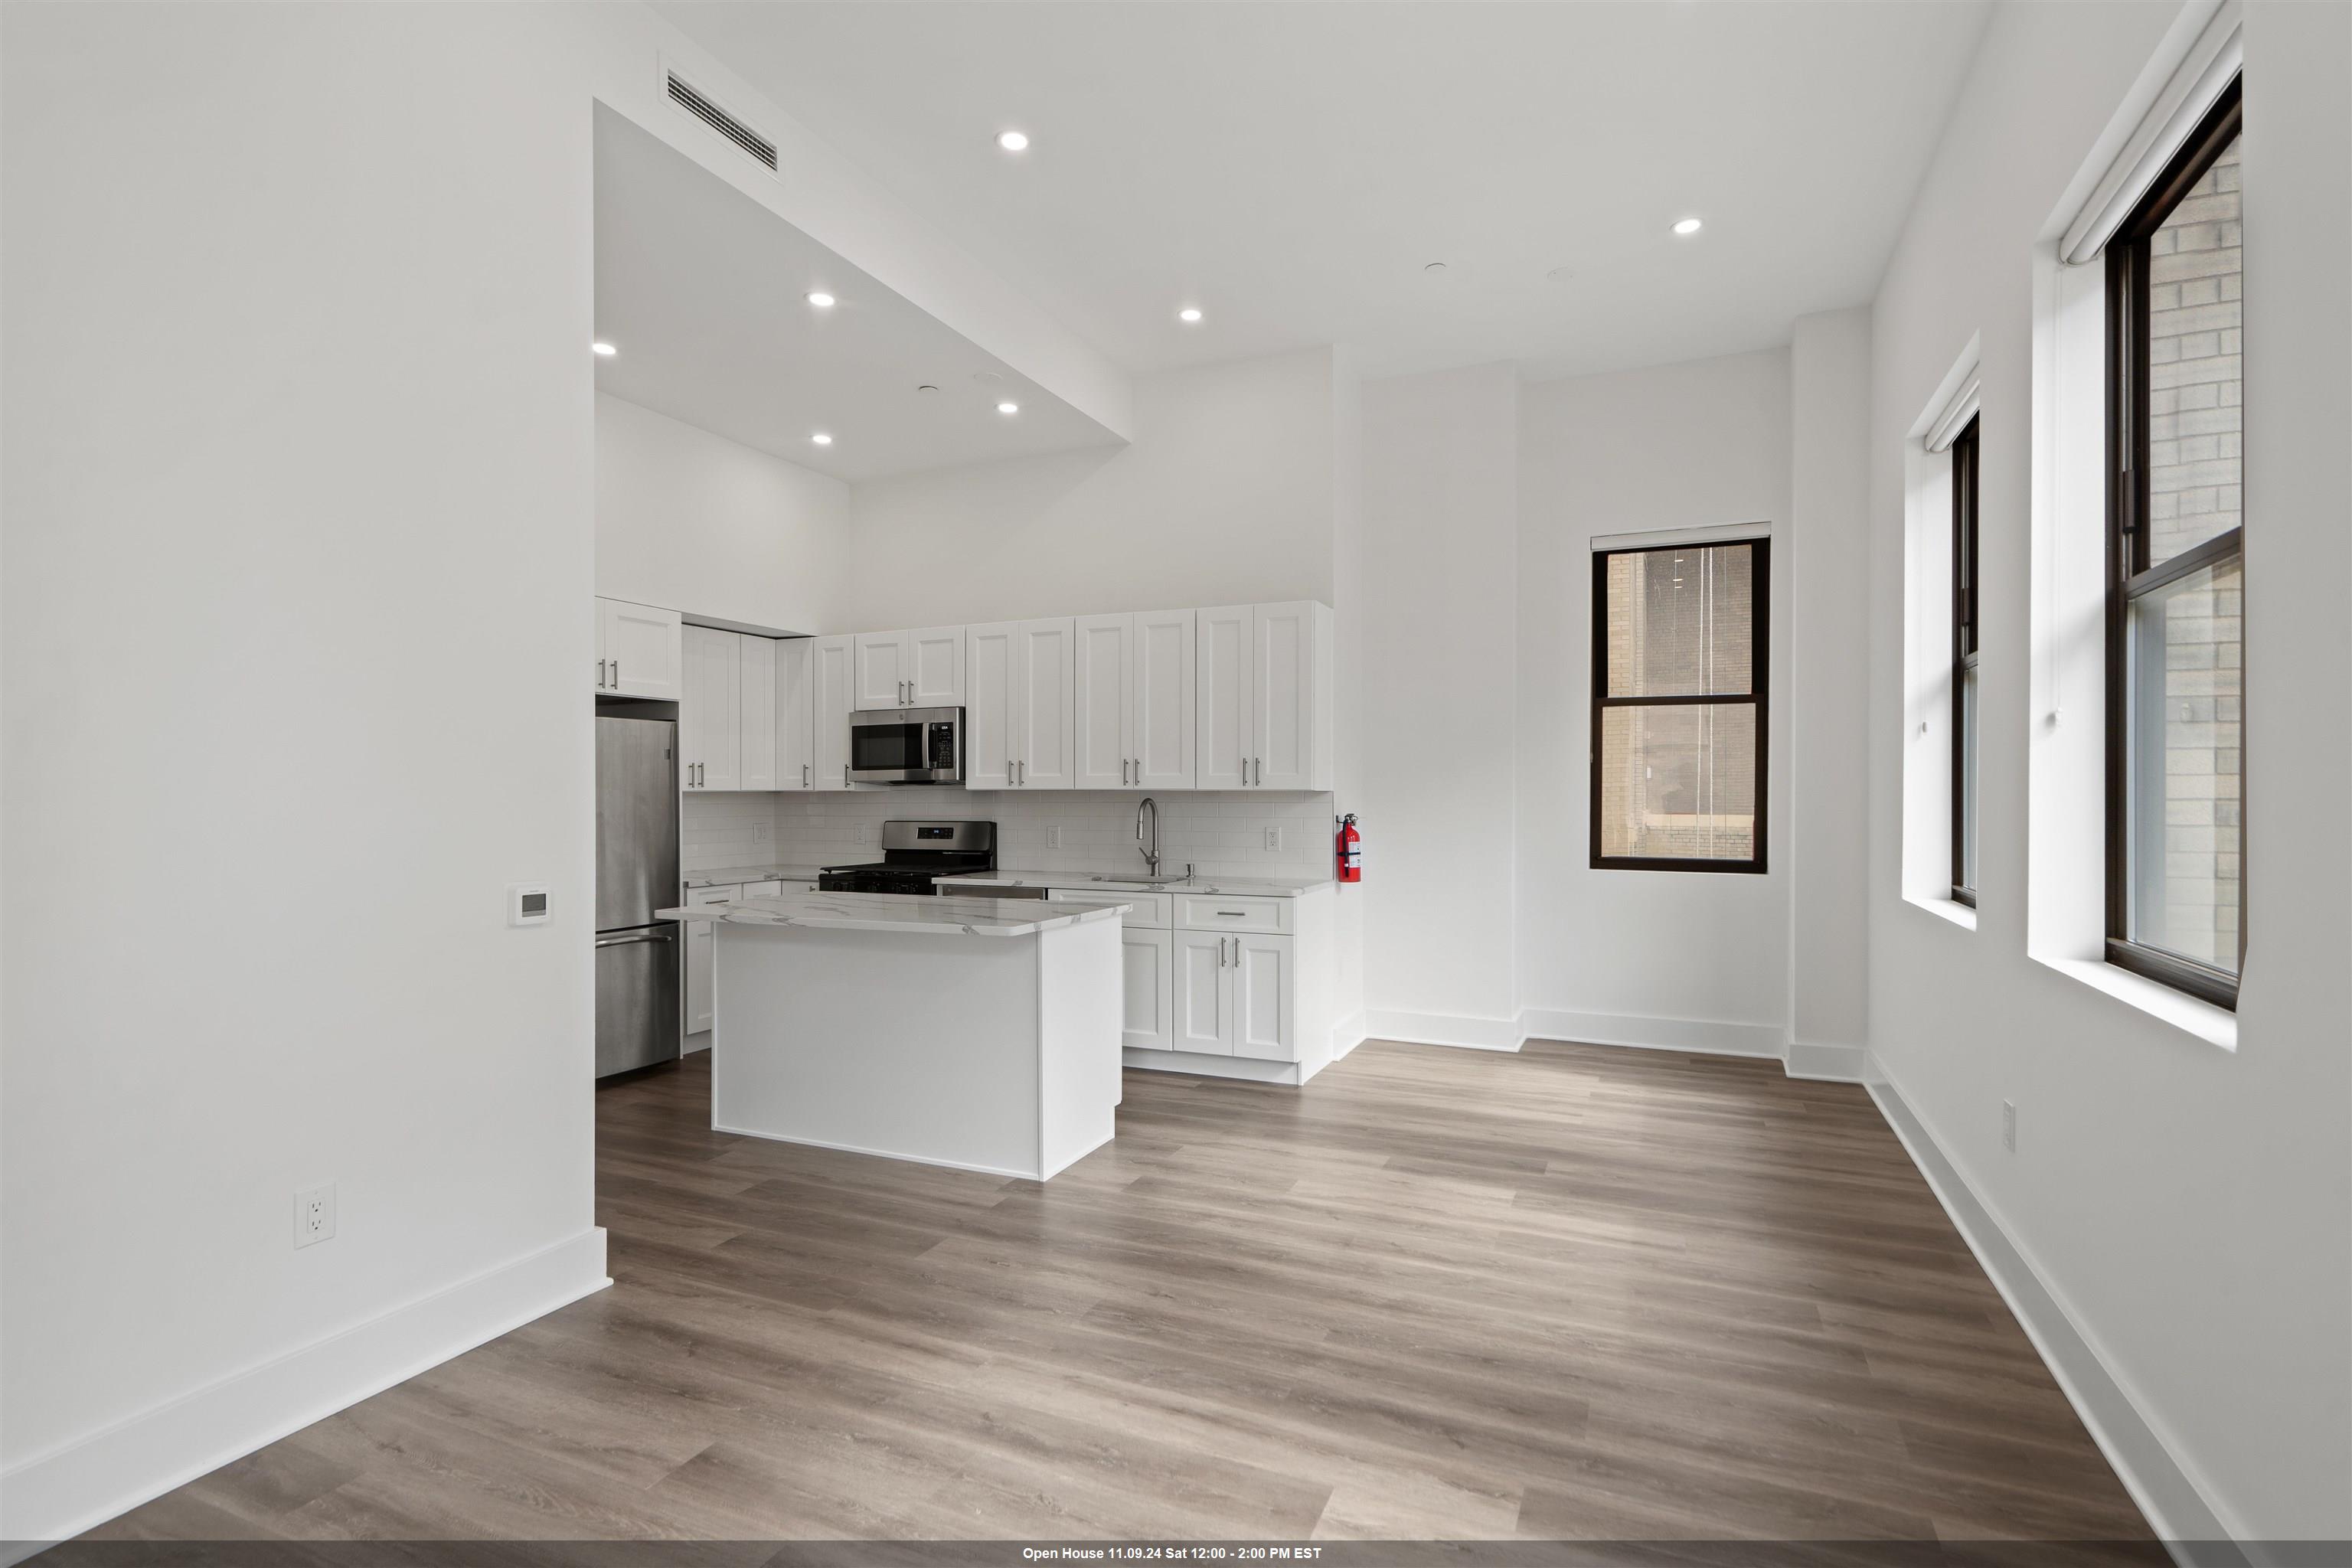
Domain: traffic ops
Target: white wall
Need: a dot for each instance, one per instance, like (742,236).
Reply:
(1224,497)
(298,558)
(1642,955)
(1828,553)
(1440,674)
(698,523)
(2188,1209)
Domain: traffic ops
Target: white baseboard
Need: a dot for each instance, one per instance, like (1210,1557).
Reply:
(1445,1029)
(1347,1035)
(60,1493)
(1832,1064)
(1704,1036)
(2178,1509)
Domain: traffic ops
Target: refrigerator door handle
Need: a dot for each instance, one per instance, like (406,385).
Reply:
(625,938)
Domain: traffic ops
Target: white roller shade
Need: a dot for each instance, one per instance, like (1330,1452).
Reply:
(1669,538)
(2196,83)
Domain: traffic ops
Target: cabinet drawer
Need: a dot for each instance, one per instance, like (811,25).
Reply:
(697,896)
(762,889)
(1148,912)
(1197,912)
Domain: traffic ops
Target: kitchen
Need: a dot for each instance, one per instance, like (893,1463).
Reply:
(982,760)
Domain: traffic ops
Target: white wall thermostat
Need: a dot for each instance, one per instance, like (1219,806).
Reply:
(527,903)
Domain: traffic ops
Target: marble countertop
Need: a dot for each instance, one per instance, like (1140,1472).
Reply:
(1082,881)
(729,876)
(899,912)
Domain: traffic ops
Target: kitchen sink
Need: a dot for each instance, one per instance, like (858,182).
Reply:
(1141,882)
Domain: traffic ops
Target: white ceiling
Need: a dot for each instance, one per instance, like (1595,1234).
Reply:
(1291,168)
(703,293)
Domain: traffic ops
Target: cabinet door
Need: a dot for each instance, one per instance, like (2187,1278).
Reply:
(1162,707)
(1099,689)
(1226,656)
(710,717)
(834,658)
(758,705)
(1263,982)
(881,671)
(935,667)
(1042,744)
(989,660)
(699,945)
(639,645)
(796,713)
(1149,962)
(1202,1016)
(1282,698)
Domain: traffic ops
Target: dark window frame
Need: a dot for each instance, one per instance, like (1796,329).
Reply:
(2129,575)
(1965,505)
(1757,695)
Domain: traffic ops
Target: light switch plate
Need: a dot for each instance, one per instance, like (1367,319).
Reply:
(1273,838)
(1052,837)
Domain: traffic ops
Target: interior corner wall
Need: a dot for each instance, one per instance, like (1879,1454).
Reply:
(1692,959)
(1225,496)
(1827,552)
(1350,619)
(1440,675)
(2186,1210)
(695,522)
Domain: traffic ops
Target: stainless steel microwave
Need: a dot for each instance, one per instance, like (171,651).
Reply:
(907,746)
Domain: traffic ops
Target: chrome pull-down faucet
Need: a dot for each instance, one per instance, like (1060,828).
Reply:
(1148,810)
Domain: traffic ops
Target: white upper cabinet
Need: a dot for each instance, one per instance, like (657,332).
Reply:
(796,713)
(1018,730)
(935,667)
(989,660)
(758,704)
(881,671)
(1290,697)
(638,650)
(1226,656)
(710,712)
(911,669)
(1102,735)
(1044,751)
(1161,709)
(834,677)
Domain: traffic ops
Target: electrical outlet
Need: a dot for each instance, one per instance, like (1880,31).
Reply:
(1054,838)
(314,1214)
(1273,838)
(2009,1125)
(862,830)
(759,830)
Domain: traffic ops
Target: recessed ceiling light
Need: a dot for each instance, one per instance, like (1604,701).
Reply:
(602,347)
(821,439)
(1189,314)
(1687,225)
(1008,408)
(1013,141)
(821,300)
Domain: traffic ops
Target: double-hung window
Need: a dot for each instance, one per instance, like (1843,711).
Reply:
(1679,662)
(1964,665)
(2175,790)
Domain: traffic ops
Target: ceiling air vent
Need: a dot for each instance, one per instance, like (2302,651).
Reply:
(682,93)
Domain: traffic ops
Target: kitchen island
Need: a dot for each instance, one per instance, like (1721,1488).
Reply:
(973,1032)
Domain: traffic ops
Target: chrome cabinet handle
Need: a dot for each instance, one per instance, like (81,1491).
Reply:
(1258,765)
(616,675)
(804,775)
(600,675)
(1244,770)
(845,775)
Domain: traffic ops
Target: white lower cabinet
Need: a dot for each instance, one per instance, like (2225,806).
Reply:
(1147,961)
(1221,976)
(1204,1014)
(698,1012)
(1265,1021)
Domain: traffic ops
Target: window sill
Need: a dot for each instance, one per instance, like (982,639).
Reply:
(1952,910)
(2214,1025)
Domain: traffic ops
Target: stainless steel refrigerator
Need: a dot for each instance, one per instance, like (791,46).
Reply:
(638,957)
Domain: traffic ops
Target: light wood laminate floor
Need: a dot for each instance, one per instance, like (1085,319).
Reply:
(1570,1292)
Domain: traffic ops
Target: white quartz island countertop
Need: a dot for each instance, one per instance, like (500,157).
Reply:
(902,913)
(1230,887)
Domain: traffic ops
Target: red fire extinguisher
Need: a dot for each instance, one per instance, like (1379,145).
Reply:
(1351,850)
